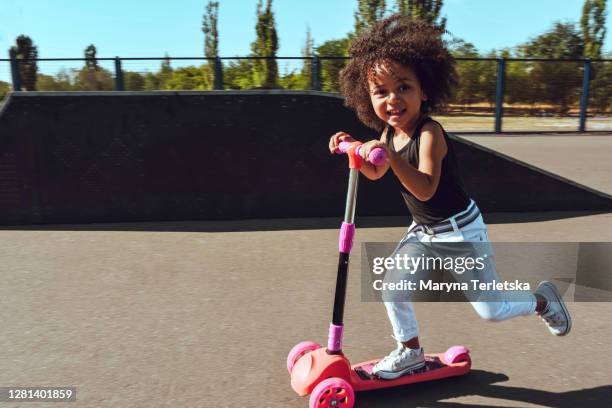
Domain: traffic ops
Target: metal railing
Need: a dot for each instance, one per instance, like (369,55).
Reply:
(490,89)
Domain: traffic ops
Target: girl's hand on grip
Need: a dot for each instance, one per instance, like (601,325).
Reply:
(367,147)
(335,140)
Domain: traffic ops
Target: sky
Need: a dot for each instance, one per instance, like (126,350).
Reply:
(152,28)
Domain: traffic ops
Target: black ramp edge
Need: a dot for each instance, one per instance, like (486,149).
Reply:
(83,157)
(501,183)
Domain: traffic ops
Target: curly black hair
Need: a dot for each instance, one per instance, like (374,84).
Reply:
(410,42)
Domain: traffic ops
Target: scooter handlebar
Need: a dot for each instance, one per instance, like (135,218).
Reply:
(377,156)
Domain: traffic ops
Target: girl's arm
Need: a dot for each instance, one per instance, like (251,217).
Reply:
(422,182)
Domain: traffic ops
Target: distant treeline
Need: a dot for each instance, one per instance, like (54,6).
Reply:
(532,85)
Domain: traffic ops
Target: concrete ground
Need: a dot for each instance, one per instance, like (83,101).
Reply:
(523,123)
(204,313)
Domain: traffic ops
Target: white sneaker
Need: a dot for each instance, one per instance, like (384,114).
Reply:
(556,315)
(401,361)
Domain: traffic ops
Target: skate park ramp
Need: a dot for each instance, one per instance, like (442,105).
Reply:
(582,158)
(83,157)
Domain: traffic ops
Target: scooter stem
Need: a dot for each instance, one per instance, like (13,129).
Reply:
(345,243)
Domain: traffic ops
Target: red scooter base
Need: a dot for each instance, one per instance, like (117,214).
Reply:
(332,378)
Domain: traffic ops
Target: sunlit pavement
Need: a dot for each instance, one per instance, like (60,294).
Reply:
(203,314)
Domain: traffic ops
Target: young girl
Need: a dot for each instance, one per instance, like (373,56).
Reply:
(400,71)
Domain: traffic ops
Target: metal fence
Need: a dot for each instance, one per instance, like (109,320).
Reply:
(494,94)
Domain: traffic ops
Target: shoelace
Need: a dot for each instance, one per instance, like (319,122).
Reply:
(553,319)
(407,354)
(395,353)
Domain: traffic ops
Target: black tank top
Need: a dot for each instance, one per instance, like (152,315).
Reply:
(450,198)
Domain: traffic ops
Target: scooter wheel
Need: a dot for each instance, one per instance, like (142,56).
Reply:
(456,354)
(332,392)
(298,351)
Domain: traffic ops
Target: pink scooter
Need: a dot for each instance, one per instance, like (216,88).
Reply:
(325,373)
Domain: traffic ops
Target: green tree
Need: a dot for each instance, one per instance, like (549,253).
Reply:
(92,77)
(157,81)
(469,73)
(65,79)
(91,63)
(307,54)
(190,78)
(519,88)
(600,93)
(427,10)
(133,81)
(151,81)
(48,83)
(299,78)
(488,79)
(517,75)
(291,79)
(368,13)
(27,54)
(477,79)
(165,72)
(265,71)
(330,68)
(4,89)
(211,35)
(562,41)
(560,82)
(94,80)
(593,26)
(62,81)
(209,28)
(238,74)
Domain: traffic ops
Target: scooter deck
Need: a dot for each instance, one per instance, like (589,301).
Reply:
(435,369)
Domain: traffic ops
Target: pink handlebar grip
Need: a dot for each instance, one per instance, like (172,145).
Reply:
(343,147)
(377,156)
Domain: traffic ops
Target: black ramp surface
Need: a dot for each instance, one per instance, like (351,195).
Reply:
(121,156)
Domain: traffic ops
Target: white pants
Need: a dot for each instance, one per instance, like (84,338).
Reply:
(497,306)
